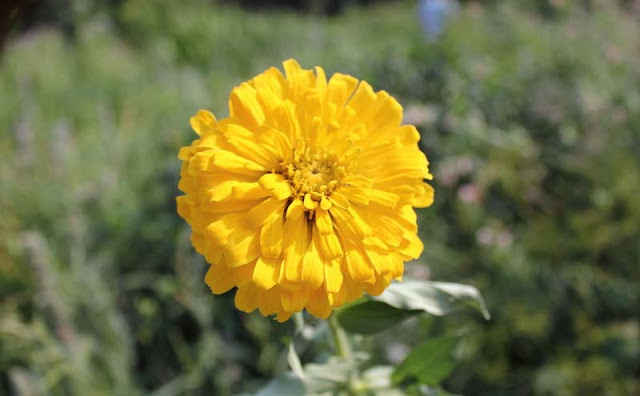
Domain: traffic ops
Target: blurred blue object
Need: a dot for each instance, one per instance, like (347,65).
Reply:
(434,14)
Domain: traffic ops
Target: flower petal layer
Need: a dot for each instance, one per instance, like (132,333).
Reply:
(304,197)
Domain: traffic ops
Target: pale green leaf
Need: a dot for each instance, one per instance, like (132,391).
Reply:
(436,298)
(287,384)
(327,377)
(378,377)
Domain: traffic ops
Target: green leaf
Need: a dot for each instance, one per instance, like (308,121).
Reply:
(436,298)
(327,377)
(428,363)
(370,317)
(284,385)
(378,377)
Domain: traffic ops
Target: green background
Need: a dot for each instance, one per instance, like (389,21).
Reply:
(529,113)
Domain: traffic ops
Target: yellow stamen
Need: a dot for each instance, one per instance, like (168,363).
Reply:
(312,174)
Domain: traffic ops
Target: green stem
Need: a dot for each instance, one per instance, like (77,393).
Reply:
(298,320)
(343,349)
(340,338)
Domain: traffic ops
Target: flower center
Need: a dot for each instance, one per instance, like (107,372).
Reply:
(313,172)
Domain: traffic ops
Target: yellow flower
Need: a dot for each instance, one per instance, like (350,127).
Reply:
(303,197)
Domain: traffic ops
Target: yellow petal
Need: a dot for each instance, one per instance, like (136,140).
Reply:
(281,191)
(199,243)
(261,154)
(385,263)
(234,226)
(351,154)
(278,139)
(266,272)
(359,266)
(203,121)
(295,210)
(408,218)
(270,180)
(232,162)
(185,153)
(363,98)
(385,229)
(375,289)
(269,301)
(285,119)
(309,203)
(296,245)
(358,181)
(340,88)
(246,298)
(340,200)
(321,78)
(323,221)
(228,206)
(325,203)
(383,198)
(408,134)
(411,246)
(186,206)
(211,140)
(294,301)
(312,268)
(243,250)
(385,114)
(291,67)
(352,290)
(319,304)
(328,245)
(271,81)
(243,105)
(248,191)
(219,279)
(332,276)
(271,236)
(260,213)
(213,253)
(276,183)
(243,274)
(200,162)
(350,224)
(236,190)
(424,196)
(218,231)
(356,195)
(283,316)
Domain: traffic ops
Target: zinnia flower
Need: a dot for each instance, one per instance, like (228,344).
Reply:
(303,197)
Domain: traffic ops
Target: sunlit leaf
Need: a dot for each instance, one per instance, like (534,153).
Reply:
(436,298)
(327,377)
(287,384)
(378,377)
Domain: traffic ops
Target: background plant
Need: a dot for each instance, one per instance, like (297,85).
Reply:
(529,113)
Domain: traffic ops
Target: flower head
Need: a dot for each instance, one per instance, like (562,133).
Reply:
(303,197)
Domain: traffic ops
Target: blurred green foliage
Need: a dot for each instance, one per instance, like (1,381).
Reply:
(531,121)
(535,138)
